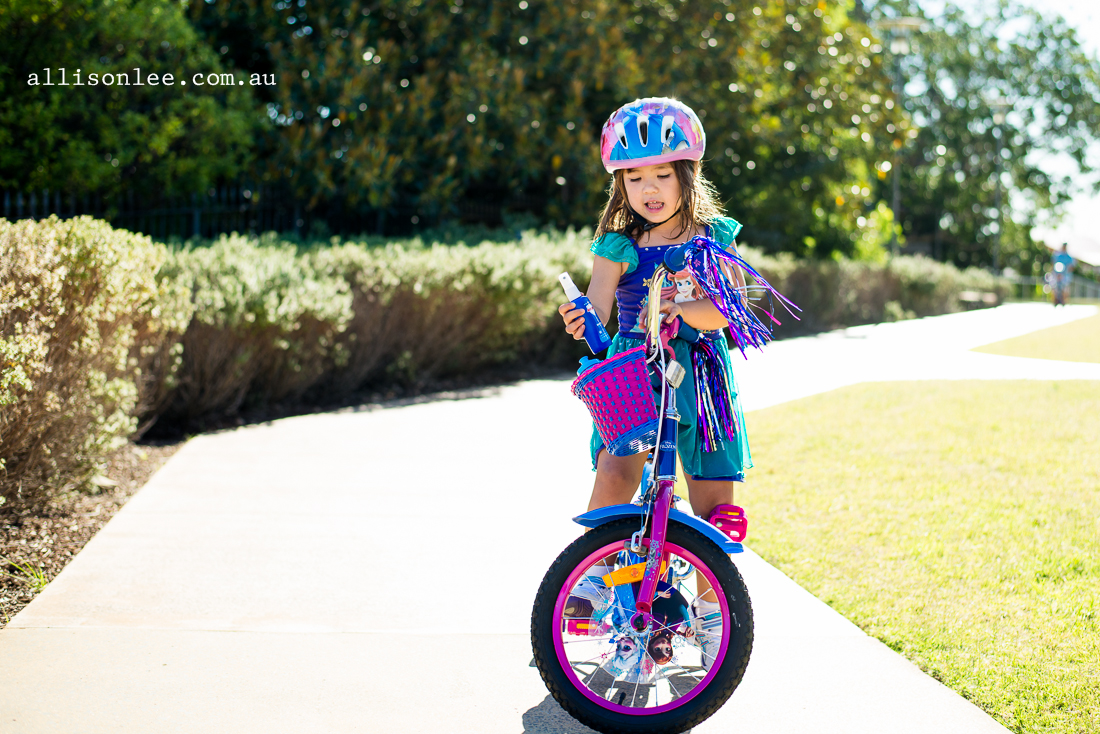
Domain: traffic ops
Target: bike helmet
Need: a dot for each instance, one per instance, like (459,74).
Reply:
(649,131)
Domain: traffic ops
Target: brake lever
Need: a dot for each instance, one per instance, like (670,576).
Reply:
(674,371)
(669,330)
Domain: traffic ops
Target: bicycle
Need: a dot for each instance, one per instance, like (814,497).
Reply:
(624,650)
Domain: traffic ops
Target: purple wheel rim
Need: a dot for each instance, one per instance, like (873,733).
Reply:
(567,665)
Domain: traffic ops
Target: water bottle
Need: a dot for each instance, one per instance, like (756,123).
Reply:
(594,334)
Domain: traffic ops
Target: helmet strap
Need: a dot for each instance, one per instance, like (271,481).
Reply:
(648,225)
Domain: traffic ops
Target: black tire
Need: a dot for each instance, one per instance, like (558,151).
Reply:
(701,703)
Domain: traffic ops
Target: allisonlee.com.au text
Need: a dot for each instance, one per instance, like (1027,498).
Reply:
(136,78)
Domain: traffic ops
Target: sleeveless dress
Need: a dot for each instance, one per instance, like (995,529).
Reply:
(730,460)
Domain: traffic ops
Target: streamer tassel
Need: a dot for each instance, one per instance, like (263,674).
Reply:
(704,258)
(714,399)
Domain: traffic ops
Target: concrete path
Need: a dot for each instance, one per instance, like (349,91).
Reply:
(313,574)
(936,348)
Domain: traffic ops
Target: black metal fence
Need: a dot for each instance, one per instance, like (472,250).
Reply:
(1039,287)
(224,209)
(239,208)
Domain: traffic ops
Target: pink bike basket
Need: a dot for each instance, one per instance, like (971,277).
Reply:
(619,396)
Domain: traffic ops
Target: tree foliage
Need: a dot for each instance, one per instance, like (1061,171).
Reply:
(94,138)
(422,111)
(797,109)
(438,105)
(963,64)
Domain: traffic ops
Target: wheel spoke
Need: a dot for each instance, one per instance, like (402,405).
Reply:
(637,682)
(589,661)
(656,667)
(668,678)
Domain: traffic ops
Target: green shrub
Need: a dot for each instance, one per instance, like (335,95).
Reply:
(279,320)
(928,287)
(86,324)
(432,311)
(102,328)
(838,293)
(264,326)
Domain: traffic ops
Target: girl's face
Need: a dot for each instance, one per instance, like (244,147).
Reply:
(660,649)
(653,191)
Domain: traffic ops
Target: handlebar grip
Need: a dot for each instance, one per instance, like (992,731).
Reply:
(687,333)
(676,258)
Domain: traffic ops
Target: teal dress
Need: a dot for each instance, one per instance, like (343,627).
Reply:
(730,460)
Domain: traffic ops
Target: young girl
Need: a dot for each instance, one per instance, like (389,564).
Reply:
(659,198)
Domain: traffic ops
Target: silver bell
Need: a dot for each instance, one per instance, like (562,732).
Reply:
(674,373)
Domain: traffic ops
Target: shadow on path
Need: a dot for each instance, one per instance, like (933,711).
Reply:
(550,718)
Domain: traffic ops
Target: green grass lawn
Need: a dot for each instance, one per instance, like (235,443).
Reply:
(959,522)
(1077,341)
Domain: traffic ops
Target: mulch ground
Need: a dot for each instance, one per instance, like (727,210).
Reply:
(34,547)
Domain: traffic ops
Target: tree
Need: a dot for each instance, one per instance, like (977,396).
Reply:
(429,107)
(438,106)
(163,137)
(797,109)
(963,63)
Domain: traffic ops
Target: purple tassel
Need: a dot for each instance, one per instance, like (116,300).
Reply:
(704,258)
(714,408)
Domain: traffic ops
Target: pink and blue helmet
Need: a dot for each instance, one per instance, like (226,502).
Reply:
(649,131)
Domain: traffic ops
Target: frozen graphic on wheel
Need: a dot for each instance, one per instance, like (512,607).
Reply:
(614,674)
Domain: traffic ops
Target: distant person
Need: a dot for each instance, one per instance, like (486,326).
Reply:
(1062,275)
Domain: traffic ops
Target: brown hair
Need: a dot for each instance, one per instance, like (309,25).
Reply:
(698,204)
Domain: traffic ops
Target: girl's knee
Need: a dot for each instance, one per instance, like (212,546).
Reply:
(620,469)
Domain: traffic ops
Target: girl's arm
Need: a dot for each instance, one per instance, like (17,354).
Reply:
(601,293)
(701,314)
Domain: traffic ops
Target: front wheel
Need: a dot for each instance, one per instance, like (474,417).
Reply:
(668,677)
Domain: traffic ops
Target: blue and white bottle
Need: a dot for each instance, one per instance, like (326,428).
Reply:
(595,335)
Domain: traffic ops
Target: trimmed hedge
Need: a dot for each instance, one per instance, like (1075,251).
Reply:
(103,332)
(425,312)
(834,294)
(263,329)
(87,342)
(276,322)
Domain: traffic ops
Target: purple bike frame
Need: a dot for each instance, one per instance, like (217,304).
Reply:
(656,547)
(664,461)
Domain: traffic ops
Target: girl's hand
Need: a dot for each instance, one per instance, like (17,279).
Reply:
(671,310)
(573,318)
